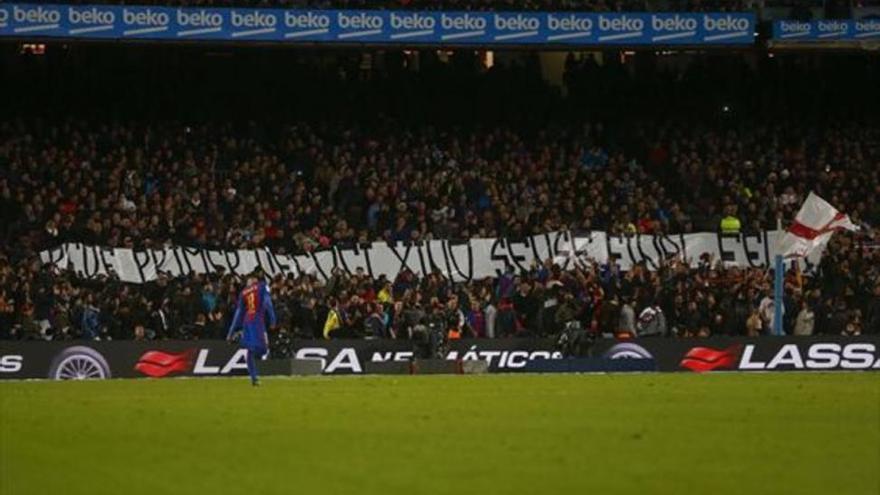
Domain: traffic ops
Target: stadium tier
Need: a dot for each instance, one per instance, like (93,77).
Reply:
(457,5)
(560,246)
(312,157)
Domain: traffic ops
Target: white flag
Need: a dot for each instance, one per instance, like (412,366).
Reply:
(813,227)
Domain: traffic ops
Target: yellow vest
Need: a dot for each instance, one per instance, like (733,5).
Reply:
(331,324)
(730,225)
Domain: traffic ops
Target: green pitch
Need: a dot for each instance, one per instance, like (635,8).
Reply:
(528,434)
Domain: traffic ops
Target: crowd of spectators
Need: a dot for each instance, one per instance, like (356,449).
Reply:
(314,183)
(839,297)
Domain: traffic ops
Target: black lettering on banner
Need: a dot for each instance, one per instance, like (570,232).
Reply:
(366,247)
(283,268)
(295,259)
(448,270)
(433,264)
(56,255)
(494,256)
(80,267)
(318,266)
(580,256)
(90,273)
(207,262)
(423,249)
(753,257)
(109,267)
(613,256)
(470,259)
(403,259)
(141,261)
(555,250)
(727,256)
(684,247)
(532,242)
(268,267)
(356,250)
(70,261)
(516,258)
(338,259)
(551,245)
(215,265)
(193,255)
(159,256)
(662,243)
(653,264)
(233,260)
(178,256)
(629,251)
(422,246)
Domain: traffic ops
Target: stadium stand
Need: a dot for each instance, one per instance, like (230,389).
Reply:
(454,5)
(449,147)
(799,9)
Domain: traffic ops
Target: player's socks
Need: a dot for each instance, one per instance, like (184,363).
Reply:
(252,367)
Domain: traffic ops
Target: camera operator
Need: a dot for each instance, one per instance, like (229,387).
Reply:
(572,339)
(430,335)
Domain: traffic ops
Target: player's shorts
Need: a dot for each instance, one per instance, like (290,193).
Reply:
(258,350)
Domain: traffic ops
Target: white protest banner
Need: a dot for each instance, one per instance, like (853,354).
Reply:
(458,260)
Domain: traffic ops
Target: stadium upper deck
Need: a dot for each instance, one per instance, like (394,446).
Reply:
(452,5)
(305,150)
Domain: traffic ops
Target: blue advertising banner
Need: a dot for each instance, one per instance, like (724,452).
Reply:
(827,30)
(119,22)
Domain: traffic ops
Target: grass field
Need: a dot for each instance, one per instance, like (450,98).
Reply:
(529,434)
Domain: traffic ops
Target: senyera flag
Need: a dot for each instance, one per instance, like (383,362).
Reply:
(813,227)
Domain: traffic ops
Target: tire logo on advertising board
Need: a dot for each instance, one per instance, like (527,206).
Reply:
(627,350)
(79,363)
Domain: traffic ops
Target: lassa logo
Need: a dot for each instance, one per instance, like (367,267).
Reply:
(11,363)
(812,356)
(819,356)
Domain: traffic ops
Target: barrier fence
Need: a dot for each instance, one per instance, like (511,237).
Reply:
(157,359)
